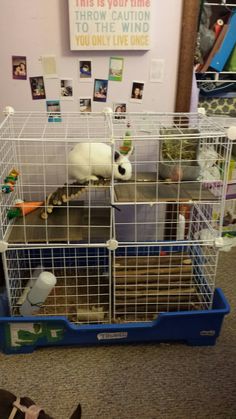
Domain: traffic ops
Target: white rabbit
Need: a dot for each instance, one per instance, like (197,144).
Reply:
(87,161)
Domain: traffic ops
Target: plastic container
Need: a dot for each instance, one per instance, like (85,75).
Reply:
(197,328)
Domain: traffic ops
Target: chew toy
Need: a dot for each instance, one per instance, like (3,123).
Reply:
(9,181)
(24,208)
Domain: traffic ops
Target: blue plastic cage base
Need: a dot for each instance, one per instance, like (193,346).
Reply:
(197,328)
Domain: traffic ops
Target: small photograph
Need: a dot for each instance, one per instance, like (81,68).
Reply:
(54,110)
(137,91)
(85,104)
(100,90)
(37,88)
(116,68)
(19,69)
(66,89)
(120,110)
(85,70)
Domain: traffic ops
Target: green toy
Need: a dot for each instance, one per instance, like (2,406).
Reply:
(127,143)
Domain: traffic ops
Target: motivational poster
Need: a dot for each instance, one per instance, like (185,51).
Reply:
(110,24)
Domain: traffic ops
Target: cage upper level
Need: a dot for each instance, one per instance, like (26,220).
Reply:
(175,159)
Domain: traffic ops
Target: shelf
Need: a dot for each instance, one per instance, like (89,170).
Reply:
(83,226)
(183,192)
(147,189)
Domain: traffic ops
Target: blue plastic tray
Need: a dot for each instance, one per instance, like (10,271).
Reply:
(198,328)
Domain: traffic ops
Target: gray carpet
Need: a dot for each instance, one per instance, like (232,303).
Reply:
(171,381)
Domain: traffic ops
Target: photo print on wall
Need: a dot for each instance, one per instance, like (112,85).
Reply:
(116,68)
(137,91)
(85,70)
(100,90)
(54,110)
(37,87)
(19,68)
(66,89)
(119,109)
(85,104)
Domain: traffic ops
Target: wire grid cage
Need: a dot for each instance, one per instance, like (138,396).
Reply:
(82,292)
(161,216)
(175,158)
(131,284)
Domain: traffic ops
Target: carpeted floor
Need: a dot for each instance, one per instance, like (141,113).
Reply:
(173,381)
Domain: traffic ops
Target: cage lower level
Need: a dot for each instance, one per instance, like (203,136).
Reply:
(98,286)
(133,294)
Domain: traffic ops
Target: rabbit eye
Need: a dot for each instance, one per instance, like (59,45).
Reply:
(121,170)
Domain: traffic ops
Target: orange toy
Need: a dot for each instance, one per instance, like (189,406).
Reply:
(24,208)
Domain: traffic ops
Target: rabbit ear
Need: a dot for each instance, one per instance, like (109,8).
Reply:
(130,151)
(116,156)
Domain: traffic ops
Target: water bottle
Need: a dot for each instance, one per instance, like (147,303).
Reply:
(38,293)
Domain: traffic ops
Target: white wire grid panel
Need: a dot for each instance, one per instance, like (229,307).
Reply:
(178,158)
(57,127)
(225,120)
(135,283)
(150,280)
(39,150)
(82,292)
(175,158)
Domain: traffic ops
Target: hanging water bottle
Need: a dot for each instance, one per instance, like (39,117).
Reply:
(38,293)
